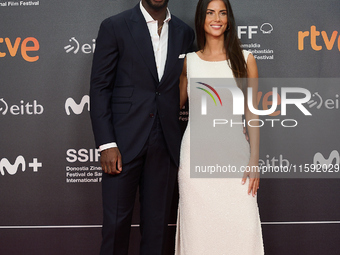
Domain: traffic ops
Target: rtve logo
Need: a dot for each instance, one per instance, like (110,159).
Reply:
(77,108)
(20,162)
(29,44)
(328,39)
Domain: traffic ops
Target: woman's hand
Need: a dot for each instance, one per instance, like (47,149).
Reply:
(252,171)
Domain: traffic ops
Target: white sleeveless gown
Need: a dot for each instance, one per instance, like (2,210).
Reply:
(216,216)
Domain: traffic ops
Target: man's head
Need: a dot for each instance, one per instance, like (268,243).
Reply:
(156,4)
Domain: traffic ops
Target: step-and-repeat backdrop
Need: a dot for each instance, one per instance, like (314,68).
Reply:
(50,196)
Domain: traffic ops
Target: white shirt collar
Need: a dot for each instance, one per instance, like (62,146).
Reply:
(148,17)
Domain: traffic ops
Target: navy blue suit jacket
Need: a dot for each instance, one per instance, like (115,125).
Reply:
(125,94)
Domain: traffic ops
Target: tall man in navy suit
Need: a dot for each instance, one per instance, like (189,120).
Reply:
(134,111)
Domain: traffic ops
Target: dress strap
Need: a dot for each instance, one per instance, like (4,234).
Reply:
(246,53)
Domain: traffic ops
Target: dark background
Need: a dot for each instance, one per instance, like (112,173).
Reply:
(40,213)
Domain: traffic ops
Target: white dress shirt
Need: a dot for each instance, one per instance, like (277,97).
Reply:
(160,49)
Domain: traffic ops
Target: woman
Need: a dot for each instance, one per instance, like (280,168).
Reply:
(220,215)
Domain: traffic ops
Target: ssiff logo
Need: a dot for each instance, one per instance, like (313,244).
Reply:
(329,40)
(77,108)
(82,155)
(265,28)
(20,162)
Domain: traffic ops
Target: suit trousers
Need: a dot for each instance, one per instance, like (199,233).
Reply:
(155,173)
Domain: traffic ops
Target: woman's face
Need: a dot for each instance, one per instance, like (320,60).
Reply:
(216,20)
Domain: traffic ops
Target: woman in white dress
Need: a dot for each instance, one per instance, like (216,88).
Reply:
(220,216)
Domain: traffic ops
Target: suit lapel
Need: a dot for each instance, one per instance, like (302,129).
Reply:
(141,35)
(173,48)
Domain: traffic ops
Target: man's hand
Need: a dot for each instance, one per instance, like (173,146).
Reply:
(111,161)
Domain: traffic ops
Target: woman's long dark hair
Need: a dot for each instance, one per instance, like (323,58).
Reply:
(231,42)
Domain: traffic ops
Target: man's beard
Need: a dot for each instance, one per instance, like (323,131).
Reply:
(157,7)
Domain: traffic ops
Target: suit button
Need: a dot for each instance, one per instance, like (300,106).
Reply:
(158,93)
(151,115)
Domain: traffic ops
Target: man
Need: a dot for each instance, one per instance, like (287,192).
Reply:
(134,111)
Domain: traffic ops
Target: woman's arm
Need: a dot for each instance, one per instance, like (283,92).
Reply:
(254,130)
(183,83)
